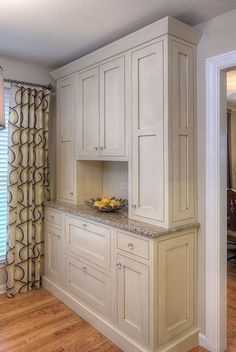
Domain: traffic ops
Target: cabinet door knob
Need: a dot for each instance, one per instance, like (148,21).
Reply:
(52,217)
(96,149)
(58,237)
(133,206)
(101,148)
(71,193)
(84,269)
(119,265)
(83,226)
(130,245)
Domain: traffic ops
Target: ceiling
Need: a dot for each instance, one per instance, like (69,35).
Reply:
(51,33)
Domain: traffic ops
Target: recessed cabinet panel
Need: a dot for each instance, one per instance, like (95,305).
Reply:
(90,241)
(66,171)
(88,284)
(88,109)
(176,286)
(147,169)
(65,107)
(183,131)
(53,253)
(112,107)
(133,298)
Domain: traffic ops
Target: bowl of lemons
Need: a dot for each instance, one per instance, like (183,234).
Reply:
(107,204)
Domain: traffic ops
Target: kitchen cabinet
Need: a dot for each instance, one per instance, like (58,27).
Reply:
(133,298)
(139,291)
(101,112)
(66,163)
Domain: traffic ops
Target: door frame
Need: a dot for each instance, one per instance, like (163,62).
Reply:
(216,201)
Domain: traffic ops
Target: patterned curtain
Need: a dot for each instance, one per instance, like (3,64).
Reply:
(28,187)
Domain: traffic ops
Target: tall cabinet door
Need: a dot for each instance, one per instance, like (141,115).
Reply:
(112,108)
(66,163)
(147,168)
(133,298)
(88,110)
(66,108)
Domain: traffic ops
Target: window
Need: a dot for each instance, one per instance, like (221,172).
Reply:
(4,178)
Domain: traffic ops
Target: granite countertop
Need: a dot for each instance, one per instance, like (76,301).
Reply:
(117,219)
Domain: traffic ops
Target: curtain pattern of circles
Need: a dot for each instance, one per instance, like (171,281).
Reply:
(28,187)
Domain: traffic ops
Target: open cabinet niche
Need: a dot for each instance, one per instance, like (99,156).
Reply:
(101,178)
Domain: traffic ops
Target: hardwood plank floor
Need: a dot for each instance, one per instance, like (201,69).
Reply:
(38,322)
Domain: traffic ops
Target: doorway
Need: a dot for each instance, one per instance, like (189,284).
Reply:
(216,200)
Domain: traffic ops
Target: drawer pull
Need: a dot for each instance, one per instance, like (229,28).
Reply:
(119,266)
(58,237)
(130,245)
(84,269)
(83,226)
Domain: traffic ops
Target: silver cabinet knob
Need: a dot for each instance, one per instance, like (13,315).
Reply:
(52,217)
(58,237)
(133,206)
(84,269)
(101,148)
(83,226)
(71,193)
(130,245)
(119,265)
(96,149)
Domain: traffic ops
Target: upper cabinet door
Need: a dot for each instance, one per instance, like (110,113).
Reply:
(66,108)
(147,168)
(88,110)
(112,108)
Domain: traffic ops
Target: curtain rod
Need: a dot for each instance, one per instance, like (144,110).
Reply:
(49,86)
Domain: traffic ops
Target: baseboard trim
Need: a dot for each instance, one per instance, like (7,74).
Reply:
(2,289)
(203,341)
(182,343)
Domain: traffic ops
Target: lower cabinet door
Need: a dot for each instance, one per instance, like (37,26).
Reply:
(88,284)
(133,299)
(53,253)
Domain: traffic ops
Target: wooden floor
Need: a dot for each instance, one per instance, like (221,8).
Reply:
(38,322)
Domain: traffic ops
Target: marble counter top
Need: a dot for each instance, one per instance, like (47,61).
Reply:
(117,219)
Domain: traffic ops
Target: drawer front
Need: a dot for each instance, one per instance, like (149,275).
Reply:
(133,245)
(53,217)
(92,242)
(88,284)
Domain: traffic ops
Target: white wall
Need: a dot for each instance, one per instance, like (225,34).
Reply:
(219,36)
(35,74)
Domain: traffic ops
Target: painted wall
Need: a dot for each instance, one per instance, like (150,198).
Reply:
(218,37)
(30,73)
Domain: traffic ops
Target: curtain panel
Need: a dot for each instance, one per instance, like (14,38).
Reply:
(28,187)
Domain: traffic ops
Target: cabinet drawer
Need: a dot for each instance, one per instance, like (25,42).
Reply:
(53,217)
(133,245)
(88,284)
(90,241)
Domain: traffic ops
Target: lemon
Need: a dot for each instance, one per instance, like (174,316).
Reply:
(105,200)
(97,204)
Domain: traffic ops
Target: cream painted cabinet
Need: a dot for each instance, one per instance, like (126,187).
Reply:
(147,168)
(177,285)
(53,253)
(101,112)
(112,108)
(133,298)
(162,172)
(88,113)
(66,163)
